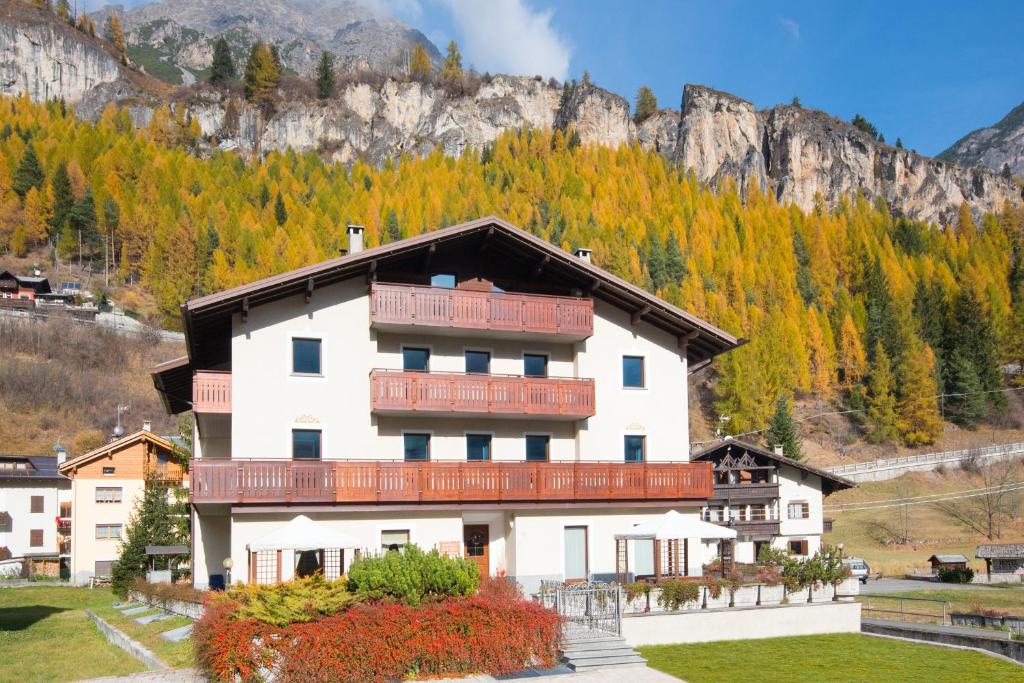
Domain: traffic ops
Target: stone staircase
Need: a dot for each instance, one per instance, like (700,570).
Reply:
(599,652)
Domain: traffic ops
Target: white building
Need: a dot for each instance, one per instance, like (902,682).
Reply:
(768,498)
(472,389)
(31,493)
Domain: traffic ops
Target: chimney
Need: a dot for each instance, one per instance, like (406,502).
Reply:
(355,238)
(778,449)
(147,425)
(582,253)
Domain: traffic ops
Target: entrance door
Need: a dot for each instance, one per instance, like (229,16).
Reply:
(476,541)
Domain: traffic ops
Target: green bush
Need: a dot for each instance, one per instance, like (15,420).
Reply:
(306,599)
(410,576)
(677,594)
(953,575)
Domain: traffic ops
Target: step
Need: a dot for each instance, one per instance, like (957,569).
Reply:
(177,634)
(597,651)
(150,618)
(136,610)
(611,641)
(636,661)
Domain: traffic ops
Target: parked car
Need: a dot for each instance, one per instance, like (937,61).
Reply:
(859,569)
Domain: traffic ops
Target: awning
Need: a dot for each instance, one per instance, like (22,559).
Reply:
(166,549)
(673,525)
(302,533)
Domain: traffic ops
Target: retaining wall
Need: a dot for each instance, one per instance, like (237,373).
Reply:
(1000,644)
(192,610)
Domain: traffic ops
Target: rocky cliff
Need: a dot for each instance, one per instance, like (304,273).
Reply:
(999,147)
(798,154)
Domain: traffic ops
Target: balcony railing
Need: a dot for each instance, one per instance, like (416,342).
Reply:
(211,392)
(347,481)
(411,305)
(756,491)
(758,522)
(397,391)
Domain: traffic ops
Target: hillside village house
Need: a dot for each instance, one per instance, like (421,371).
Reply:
(32,499)
(1003,561)
(768,499)
(472,389)
(105,484)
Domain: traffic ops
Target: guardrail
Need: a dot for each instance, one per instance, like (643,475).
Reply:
(906,609)
(852,470)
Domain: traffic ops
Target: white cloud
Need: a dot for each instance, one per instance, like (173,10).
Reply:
(408,10)
(508,36)
(791,27)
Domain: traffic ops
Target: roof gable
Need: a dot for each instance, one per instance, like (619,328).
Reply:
(739,451)
(124,442)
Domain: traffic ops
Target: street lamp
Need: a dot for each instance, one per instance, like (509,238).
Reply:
(228,563)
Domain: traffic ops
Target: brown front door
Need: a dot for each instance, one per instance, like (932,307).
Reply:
(476,541)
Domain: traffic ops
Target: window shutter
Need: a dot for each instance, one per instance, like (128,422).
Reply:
(37,504)
(35,538)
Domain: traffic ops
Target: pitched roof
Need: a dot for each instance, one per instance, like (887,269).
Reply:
(127,440)
(1000,550)
(830,482)
(39,467)
(948,559)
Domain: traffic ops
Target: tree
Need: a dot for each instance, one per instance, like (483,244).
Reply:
(392,231)
(998,501)
(63,10)
(151,523)
(82,219)
(63,198)
(419,64)
(881,417)
(222,69)
(899,143)
(325,75)
(261,75)
(646,104)
(862,124)
(86,25)
(919,421)
(451,70)
(1006,172)
(852,359)
(796,102)
(114,34)
(970,339)
(280,212)
(29,173)
(783,431)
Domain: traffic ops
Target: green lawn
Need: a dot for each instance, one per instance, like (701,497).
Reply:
(177,655)
(981,598)
(838,658)
(45,635)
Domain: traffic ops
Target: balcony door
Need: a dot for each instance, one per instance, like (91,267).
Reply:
(476,544)
(576,566)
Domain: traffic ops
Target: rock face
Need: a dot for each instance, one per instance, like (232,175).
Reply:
(801,154)
(993,147)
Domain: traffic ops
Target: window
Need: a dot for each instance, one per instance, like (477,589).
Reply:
(798,547)
(576,553)
(416,359)
(36,504)
(306,356)
(799,509)
(478,362)
(417,446)
(394,539)
(478,446)
(104,567)
(108,494)
(537,447)
(535,365)
(643,557)
(108,531)
(35,538)
(758,512)
(635,448)
(305,444)
(445,280)
(108,471)
(633,372)
(265,567)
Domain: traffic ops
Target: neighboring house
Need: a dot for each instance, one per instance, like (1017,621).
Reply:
(22,287)
(105,483)
(1005,559)
(939,562)
(768,498)
(31,494)
(472,389)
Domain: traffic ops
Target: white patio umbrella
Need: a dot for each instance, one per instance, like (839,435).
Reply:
(673,525)
(302,533)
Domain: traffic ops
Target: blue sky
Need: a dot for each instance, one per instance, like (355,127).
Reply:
(928,72)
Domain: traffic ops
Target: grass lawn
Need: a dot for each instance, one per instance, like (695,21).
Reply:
(45,635)
(1004,599)
(840,657)
(177,655)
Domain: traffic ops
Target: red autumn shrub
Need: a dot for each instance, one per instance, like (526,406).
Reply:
(384,641)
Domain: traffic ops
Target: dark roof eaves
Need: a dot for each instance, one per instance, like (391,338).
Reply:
(824,474)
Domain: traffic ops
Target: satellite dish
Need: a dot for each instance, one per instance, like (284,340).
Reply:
(118,431)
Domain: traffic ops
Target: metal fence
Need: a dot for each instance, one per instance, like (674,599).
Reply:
(917,610)
(591,610)
(910,461)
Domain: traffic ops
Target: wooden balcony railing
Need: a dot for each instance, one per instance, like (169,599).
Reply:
(211,392)
(451,393)
(405,305)
(746,491)
(348,481)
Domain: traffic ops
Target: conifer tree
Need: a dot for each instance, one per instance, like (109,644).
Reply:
(325,75)
(881,414)
(261,75)
(63,198)
(151,523)
(392,231)
(222,70)
(114,34)
(919,421)
(29,173)
(63,10)
(970,336)
(419,63)
(82,219)
(280,212)
(964,400)
(646,104)
(783,431)
(451,70)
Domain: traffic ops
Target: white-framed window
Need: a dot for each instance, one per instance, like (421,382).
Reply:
(798,509)
(394,539)
(108,531)
(109,494)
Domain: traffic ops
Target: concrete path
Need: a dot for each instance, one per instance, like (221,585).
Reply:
(633,674)
(905,585)
(165,676)
(177,634)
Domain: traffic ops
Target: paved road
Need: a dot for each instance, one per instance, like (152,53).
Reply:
(903,585)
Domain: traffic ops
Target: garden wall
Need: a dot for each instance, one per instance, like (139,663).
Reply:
(192,610)
(741,623)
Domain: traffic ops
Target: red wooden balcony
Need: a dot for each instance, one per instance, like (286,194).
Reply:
(375,481)
(436,393)
(406,307)
(211,392)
